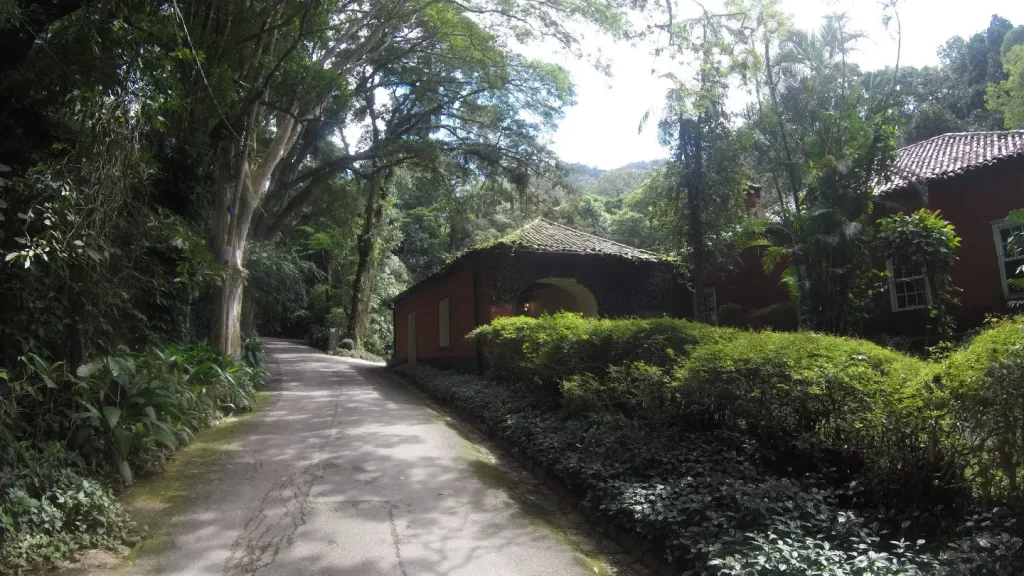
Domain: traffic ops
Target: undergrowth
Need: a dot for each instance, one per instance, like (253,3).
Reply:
(72,437)
(736,452)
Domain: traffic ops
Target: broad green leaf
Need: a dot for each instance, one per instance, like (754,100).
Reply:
(111,414)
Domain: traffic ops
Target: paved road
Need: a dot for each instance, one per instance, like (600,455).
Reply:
(348,473)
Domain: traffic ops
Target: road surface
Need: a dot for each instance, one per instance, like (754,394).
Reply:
(347,472)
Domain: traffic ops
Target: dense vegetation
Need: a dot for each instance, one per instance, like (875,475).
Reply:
(66,434)
(176,176)
(746,453)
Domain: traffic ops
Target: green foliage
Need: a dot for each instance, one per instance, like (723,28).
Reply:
(1007,97)
(985,386)
(612,183)
(550,349)
(64,434)
(814,392)
(51,507)
(799,392)
(923,239)
(278,285)
(761,453)
(701,498)
(359,354)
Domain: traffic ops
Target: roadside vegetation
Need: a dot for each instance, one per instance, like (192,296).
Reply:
(73,439)
(735,452)
(177,176)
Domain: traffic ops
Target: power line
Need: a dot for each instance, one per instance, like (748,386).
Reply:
(202,74)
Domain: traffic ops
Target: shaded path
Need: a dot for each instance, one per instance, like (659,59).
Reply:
(349,473)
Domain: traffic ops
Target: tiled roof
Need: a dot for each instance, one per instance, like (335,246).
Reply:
(951,154)
(547,236)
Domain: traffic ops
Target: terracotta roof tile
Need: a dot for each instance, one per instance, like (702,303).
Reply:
(951,154)
(546,236)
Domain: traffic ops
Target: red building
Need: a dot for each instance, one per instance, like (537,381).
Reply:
(543,267)
(974,179)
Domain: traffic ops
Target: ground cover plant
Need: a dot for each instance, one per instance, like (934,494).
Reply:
(71,439)
(758,453)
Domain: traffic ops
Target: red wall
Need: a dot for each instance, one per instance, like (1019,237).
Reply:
(456,285)
(748,287)
(971,202)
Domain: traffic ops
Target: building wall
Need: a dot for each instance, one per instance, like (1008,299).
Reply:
(424,300)
(621,287)
(748,297)
(970,202)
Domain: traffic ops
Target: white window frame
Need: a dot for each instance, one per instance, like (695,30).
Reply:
(444,322)
(997,227)
(892,288)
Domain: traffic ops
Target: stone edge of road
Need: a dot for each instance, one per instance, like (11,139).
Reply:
(538,489)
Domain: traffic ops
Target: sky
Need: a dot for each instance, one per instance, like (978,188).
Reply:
(602,128)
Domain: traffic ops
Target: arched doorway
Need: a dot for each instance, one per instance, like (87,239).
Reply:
(552,295)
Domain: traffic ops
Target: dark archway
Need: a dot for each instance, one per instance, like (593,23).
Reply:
(552,295)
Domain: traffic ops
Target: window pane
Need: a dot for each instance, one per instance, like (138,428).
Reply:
(901,270)
(1011,272)
(444,323)
(912,293)
(1005,234)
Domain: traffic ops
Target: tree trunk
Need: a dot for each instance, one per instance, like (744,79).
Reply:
(362,287)
(228,248)
(240,186)
(693,142)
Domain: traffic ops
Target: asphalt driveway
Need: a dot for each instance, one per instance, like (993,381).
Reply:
(347,472)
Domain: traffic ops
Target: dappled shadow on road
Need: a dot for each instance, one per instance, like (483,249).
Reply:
(349,473)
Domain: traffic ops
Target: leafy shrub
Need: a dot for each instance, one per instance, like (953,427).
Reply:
(358,353)
(848,396)
(985,384)
(347,344)
(637,389)
(63,433)
(551,349)
(140,406)
(50,508)
(253,353)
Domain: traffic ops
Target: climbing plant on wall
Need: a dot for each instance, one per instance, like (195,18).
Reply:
(928,241)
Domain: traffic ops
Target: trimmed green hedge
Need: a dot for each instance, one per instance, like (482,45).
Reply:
(985,387)
(549,350)
(856,399)
(868,406)
(670,425)
(918,431)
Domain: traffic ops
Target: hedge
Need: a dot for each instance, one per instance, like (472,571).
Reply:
(871,409)
(985,387)
(547,351)
(619,407)
(866,404)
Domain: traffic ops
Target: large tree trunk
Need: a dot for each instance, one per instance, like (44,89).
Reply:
(362,287)
(240,186)
(691,151)
(228,248)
